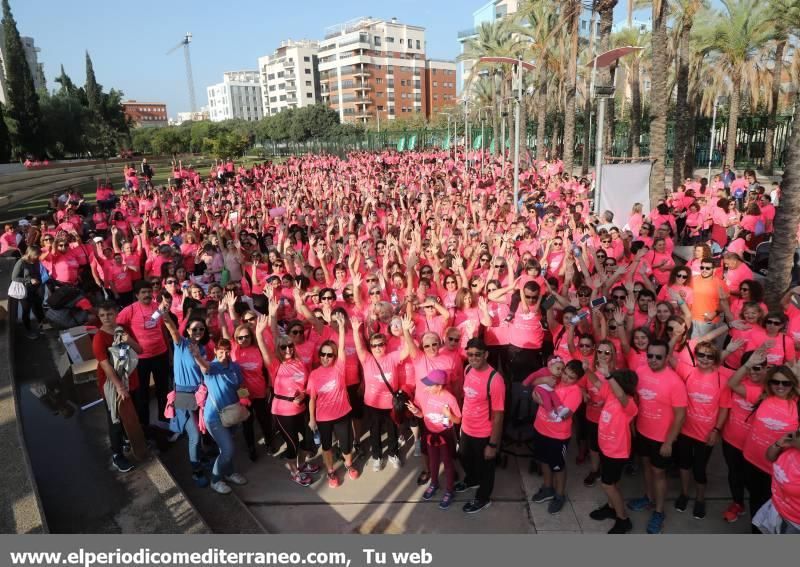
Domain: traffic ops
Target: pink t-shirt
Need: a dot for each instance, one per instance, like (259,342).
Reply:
(786,485)
(571,396)
(288,378)
(773,419)
(376,394)
(659,392)
(147,332)
(737,426)
(525,330)
(734,277)
(705,392)
(423,364)
(432,406)
(613,430)
(476,422)
(329,386)
(594,403)
(252,365)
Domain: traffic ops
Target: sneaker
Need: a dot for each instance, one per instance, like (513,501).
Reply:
(220,487)
(333,480)
(301,479)
(417,448)
(121,463)
(733,512)
(377,464)
(401,440)
(463,486)
(656,523)
(556,504)
(429,492)
(621,526)
(544,494)
(200,479)
(475,506)
(309,468)
(423,478)
(395,460)
(237,479)
(699,511)
(604,512)
(591,478)
(352,472)
(681,503)
(639,504)
(447,499)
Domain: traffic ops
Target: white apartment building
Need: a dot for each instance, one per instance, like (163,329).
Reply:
(31,56)
(289,77)
(237,96)
(372,68)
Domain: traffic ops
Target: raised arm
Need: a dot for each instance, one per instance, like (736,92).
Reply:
(172,328)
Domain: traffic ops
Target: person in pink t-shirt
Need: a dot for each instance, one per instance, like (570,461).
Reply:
(329,406)
(781,514)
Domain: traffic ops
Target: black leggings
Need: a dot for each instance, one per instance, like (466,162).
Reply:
(734,459)
(759,486)
(342,428)
(380,420)
(291,427)
(259,410)
(693,454)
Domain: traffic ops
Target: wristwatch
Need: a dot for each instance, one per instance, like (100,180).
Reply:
(492,445)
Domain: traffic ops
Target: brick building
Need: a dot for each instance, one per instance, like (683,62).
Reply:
(145,114)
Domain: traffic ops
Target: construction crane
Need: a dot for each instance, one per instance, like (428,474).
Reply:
(187,39)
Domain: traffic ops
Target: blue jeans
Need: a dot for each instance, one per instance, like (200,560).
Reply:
(194,439)
(223,436)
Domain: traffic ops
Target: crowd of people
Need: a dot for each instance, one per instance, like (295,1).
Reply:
(356,304)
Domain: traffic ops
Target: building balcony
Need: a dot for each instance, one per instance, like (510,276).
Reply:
(363,87)
(361,73)
(288,64)
(291,88)
(363,115)
(292,100)
(289,76)
(467,33)
(363,100)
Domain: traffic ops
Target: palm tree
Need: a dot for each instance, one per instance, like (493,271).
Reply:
(605,76)
(772,118)
(660,95)
(735,35)
(632,64)
(684,16)
(571,10)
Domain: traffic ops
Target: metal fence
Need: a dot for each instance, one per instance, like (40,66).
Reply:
(750,136)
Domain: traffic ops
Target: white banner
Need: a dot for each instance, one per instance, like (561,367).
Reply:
(623,185)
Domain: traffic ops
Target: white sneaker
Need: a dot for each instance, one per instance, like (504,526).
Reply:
(220,487)
(237,479)
(401,440)
(377,464)
(395,460)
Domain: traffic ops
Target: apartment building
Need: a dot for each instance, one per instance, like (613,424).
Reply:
(237,96)
(372,69)
(440,85)
(289,77)
(145,114)
(31,53)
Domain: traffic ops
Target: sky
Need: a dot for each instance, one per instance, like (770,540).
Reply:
(128,41)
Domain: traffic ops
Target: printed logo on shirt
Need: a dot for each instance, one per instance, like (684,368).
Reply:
(150,324)
(327,387)
(605,416)
(350,350)
(470,392)
(774,424)
(298,377)
(648,395)
(435,418)
(701,398)
(743,404)
(249,365)
(779,474)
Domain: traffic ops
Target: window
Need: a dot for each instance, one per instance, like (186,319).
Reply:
(377,41)
(401,41)
(391,110)
(308,83)
(380,107)
(282,86)
(306,58)
(273,99)
(583,25)
(390,84)
(280,74)
(435,84)
(309,95)
(307,71)
(283,97)
(402,82)
(389,39)
(390,69)
(417,84)
(379,93)
(418,47)
(379,81)
(435,97)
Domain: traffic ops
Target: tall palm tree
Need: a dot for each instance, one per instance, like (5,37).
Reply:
(571,10)
(660,96)
(632,64)
(735,35)
(772,118)
(684,12)
(605,76)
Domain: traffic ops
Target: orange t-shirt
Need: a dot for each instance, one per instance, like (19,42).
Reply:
(705,296)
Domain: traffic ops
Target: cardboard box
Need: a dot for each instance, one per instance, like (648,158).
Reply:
(83,372)
(78,343)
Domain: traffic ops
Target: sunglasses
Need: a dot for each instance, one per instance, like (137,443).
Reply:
(328,297)
(606,352)
(286,347)
(371,280)
(241,338)
(197,330)
(681,276)
(531,297)
(744,289)
(431,345)
(475,354)
(584,294)
(249,319)
(758,367)
(453,339)
(476,284)
(377,345)
(296,332)
(558,243)
(605,242)
(585,345)
(704,356)
(651,356)
(326,355)
(705,268)
(780,383)
(168,282)
(774,322)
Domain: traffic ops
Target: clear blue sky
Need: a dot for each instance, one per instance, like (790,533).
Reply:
(128,41)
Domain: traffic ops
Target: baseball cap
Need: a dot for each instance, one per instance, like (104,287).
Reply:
(435,378)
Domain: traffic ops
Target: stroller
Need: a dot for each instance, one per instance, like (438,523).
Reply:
(518,423)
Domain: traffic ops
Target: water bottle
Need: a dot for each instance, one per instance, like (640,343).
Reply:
(156,315)
(317,438)
(445,419)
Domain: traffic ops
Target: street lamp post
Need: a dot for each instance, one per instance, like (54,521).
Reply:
(518,102)
(713,134)
(482,116)
(448,124)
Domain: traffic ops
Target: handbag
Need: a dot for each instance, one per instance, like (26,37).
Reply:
(17,290)
(233,414)
(185,401)
(399,397)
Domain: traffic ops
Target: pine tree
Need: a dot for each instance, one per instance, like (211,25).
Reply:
(93,90)
(5,138)
(23,101)
(66,83)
